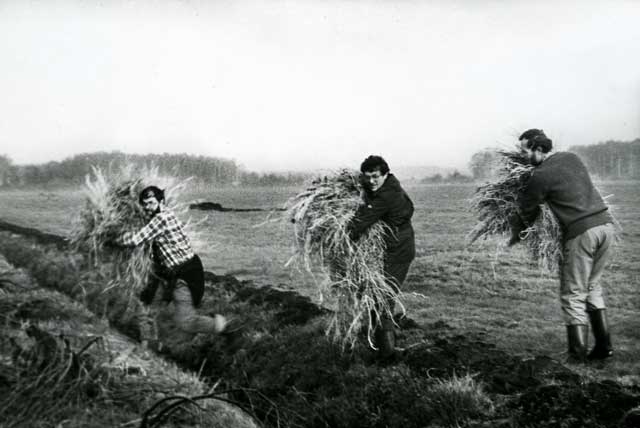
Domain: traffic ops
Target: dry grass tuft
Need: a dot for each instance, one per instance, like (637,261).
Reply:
(496,203)
(458,400)
(47,379)
(349,274)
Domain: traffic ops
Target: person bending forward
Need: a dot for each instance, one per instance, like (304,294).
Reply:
(175,264)
(561,180)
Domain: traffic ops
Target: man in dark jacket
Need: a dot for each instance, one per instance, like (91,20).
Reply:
(385,200)
(562,182)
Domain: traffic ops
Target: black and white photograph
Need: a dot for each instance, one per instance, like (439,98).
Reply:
(319,214)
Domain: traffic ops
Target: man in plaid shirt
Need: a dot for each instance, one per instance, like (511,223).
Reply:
(176,264)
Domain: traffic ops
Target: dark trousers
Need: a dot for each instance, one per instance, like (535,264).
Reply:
(191,272)
(395,273)
(183,286)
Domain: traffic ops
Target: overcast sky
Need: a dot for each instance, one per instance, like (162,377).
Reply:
(289,85)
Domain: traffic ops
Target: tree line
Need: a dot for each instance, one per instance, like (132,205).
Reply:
(73,170)
(610,160)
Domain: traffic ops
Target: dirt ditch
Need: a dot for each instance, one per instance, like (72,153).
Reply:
(278,362)
(61,365)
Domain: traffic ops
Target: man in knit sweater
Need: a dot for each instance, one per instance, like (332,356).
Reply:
(562,182)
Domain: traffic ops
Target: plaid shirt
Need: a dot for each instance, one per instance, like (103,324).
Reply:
(167,233)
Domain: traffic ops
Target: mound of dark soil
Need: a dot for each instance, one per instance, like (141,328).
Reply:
(575,405)
(214,206)
(501,372)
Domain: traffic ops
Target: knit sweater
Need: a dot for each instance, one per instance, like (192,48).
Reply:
(563,183)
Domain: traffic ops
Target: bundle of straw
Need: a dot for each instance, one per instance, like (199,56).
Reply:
(111,209)
(351,273)
(496,204)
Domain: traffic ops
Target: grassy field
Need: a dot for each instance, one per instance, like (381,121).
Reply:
(476,289)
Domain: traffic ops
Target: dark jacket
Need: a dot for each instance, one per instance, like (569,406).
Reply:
(562,181)
(391,205)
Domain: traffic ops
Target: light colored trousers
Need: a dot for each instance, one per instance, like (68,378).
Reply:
(185,315)
(584,260)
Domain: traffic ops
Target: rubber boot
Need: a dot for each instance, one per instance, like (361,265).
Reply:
(148,330)
(385,336)
(600,327)
(576,337)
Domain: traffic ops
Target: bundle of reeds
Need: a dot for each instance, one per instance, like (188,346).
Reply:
(111,209)
(348,274)
(496,204)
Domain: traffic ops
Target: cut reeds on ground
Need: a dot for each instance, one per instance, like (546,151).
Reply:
(349,275)
(496,204)
(111,209)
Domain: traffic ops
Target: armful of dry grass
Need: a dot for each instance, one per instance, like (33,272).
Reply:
(496,205)
(110,211)
(348,273)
